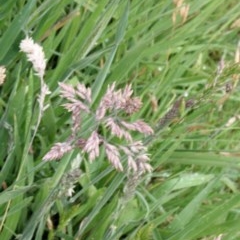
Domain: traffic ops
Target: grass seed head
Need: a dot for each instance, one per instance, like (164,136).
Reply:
(2,74)
(34,54)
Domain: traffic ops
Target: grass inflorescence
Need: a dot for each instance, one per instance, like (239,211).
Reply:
(119,120)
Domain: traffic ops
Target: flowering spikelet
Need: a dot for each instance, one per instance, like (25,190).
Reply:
(34,54)
(137,146)
(130,158)
(84,92)
(107,102)
(132,105)
(76,118)
(137,157)
(92,146)
(57,151)
(115,100)
(129,104)
(70,93)
(113,156)
(142,162)
(139,126)
(2,74)
(76,106)
(117,130)
(79,99)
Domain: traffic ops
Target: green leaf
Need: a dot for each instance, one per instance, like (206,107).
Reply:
(15,28)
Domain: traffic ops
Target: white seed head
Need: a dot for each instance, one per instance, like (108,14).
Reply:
(2,74)
(34,54)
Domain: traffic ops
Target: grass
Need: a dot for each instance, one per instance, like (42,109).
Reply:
(193,190)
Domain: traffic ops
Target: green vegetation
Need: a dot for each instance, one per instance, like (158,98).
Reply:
(182,60)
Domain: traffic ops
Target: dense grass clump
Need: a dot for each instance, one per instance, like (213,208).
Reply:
(119,120)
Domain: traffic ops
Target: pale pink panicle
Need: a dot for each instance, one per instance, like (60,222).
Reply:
(76,118)
(115,100)
(57,151)
(34,54)
(112,100)
(100,113)
(92,146)
(137,146)
(114,127)
(107,102)
(75,106)
(81,142)
(126,150)
(137,157)
(130,158)
(132,105)
(139,126)
(75,109)
(107,115)
(109,99)
(142,163)
(127,91)
(113,156)
(84,92)
(70,93)
(143,127)
(129,104)
(117,130)
(2,74)
(132,163)
(67,91)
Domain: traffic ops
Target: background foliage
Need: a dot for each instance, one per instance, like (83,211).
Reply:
(190,100)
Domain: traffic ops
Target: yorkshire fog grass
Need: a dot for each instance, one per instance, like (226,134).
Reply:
(119,120)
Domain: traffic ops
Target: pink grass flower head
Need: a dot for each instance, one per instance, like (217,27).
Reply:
(115,100)
(113,156)
(57,151)
(79,98)
(129,104)
(139,126)
(70,93)
(107,102)
(92,146)
(73,96)
(142,163)
(108,115)
(117,130)
(34,54)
